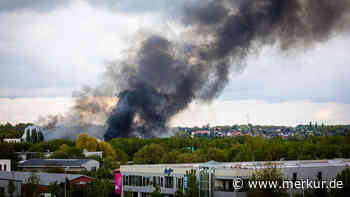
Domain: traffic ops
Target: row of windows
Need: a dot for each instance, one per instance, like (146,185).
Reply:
(141,181)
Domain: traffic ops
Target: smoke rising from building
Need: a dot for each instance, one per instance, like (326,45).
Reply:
(162,76)
(166,76)
(88,114)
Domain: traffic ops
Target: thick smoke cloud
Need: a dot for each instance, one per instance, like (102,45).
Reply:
(164,76)
(160,76)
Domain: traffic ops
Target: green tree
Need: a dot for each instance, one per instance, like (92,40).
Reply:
(149,154)
(156,192)
(245,154)
(66,152)
(269,173)
(193,187)
(121,156)
(179,193)
(84,141)
(343,176)
(103,173)
(31,187)
(170,157)
(99,188)
(55,189)
(34,137)
(28,139)
(40,136)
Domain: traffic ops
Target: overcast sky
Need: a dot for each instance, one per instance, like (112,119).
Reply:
(50,48)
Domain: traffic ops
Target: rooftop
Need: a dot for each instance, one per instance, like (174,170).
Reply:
(250,165)
(54,162)
(45,178)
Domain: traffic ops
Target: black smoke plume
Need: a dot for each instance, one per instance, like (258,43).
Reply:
(164,75)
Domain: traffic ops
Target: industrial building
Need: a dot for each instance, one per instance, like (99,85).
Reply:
(67,165)
(216,179)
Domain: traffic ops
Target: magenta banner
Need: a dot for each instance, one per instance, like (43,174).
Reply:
(118,183)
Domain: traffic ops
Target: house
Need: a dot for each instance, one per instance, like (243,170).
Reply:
(20,178)
(89,154)
(66,165)
(13,140)
(5,165)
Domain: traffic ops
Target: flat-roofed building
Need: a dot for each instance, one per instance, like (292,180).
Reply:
(215,178)
(67,165)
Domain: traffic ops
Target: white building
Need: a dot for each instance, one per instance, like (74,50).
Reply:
(5,165)
(13,140)
(97,153)
(216,179)
(68,165)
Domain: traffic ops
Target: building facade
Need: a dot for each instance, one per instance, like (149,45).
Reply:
(216,179)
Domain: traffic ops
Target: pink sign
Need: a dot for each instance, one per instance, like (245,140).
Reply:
(118,183)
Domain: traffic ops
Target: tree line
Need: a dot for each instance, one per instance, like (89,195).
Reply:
(245,148)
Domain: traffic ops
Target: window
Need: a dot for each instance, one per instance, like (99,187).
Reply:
(139,178)
(5,167)
(0,167)
(180,183)
(125,180)
(147,181)
(169,182)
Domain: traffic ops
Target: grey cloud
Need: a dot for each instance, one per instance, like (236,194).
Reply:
(35,5)
(318,76)
(131,6)
(138,6)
